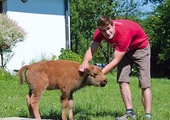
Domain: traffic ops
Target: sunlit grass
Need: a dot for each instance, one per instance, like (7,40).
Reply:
(91,103)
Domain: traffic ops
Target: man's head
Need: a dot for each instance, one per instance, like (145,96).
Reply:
(106,26)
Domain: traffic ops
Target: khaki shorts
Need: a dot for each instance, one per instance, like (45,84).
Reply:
(141,58)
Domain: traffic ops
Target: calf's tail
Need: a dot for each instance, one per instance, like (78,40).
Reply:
(21,75)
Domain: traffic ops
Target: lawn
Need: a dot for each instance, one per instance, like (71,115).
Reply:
(91,103)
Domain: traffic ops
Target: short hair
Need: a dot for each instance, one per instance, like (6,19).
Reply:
(104,21)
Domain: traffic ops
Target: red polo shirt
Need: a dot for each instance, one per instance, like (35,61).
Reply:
(128,36)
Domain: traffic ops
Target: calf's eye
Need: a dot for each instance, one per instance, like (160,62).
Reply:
(95,74)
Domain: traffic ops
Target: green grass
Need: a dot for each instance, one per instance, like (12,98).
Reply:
(91,103)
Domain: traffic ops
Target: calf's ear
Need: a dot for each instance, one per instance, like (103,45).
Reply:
(87,70)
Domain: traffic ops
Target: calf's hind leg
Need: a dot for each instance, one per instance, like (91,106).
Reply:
(28,99)
(34,102)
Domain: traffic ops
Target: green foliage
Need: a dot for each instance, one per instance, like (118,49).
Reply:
(157,26)
(152,1)
(84,16)
(83,23)
(43,57)
(67,54)
(4,75)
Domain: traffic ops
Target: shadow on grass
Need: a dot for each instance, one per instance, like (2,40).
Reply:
(51,115)
(79,114)
(87,115)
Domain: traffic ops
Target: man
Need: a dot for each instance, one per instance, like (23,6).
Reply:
(131,45)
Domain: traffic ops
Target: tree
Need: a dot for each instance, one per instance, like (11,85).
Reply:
(157,26)
(83,22)
(10,34)
(84,15)
(152,1)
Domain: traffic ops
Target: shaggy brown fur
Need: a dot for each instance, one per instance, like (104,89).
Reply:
(59,74)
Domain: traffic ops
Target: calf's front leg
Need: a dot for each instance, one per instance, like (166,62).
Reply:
(71,105)
(64,108)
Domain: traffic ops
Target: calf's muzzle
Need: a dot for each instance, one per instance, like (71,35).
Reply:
(103,83)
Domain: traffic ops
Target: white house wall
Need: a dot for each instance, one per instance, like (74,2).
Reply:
(44,23)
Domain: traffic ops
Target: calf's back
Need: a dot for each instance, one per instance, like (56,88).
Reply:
(53,74)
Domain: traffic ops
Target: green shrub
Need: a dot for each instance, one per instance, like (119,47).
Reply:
(43,57)
(67,54)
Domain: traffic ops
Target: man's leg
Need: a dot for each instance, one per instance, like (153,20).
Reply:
(142,61)
(147,99)
(126,95)
(123,78)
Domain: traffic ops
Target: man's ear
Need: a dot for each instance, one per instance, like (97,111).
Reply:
(87,70)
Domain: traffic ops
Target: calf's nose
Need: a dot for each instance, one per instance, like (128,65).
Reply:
(104,83)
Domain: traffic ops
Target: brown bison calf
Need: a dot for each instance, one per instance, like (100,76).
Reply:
(59,74)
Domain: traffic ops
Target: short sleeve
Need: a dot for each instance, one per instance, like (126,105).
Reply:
(97,37)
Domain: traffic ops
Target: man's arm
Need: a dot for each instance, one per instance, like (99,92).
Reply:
(117,57)
(88,56)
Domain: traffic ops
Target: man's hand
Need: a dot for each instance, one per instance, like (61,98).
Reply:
(83,66)
(88,56)
(117,58)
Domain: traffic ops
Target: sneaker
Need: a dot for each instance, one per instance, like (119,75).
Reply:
(126,116)
(147,117)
